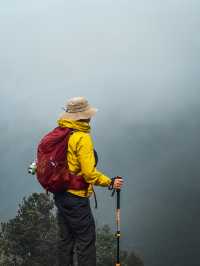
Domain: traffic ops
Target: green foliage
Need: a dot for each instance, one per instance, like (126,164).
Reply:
(29,239)
(106,250)
(134,260)
(105,246)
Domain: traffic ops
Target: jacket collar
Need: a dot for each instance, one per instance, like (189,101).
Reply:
(77,125)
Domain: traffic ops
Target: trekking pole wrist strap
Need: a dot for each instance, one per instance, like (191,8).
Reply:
(110,187)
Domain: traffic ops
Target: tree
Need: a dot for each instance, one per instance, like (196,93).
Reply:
(30,238)
(134,260)
(106,250)
(106,247)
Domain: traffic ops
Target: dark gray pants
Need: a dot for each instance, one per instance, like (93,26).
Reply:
(76,229)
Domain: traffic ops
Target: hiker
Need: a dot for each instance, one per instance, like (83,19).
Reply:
(75,219)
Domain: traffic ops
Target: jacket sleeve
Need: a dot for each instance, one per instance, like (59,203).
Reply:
(85,153)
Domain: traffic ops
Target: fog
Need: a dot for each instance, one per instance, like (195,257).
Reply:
(138,63)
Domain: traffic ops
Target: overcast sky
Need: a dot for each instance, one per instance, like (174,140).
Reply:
(138,63)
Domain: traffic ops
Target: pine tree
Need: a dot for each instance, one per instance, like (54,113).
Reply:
(30,238)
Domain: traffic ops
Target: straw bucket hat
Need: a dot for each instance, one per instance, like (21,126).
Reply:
(78,108)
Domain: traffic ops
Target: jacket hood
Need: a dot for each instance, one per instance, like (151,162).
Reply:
(78,125)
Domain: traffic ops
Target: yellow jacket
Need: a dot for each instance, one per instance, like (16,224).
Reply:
(80,157)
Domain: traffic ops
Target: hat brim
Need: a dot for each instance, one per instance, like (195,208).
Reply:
(90,112)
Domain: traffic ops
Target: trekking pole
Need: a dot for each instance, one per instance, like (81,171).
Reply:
(118,225)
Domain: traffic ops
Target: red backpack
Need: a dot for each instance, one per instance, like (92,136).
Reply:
(52,168)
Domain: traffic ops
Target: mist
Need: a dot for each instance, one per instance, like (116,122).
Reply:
(138,63)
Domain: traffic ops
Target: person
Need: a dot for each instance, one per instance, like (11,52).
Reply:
(75,220)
